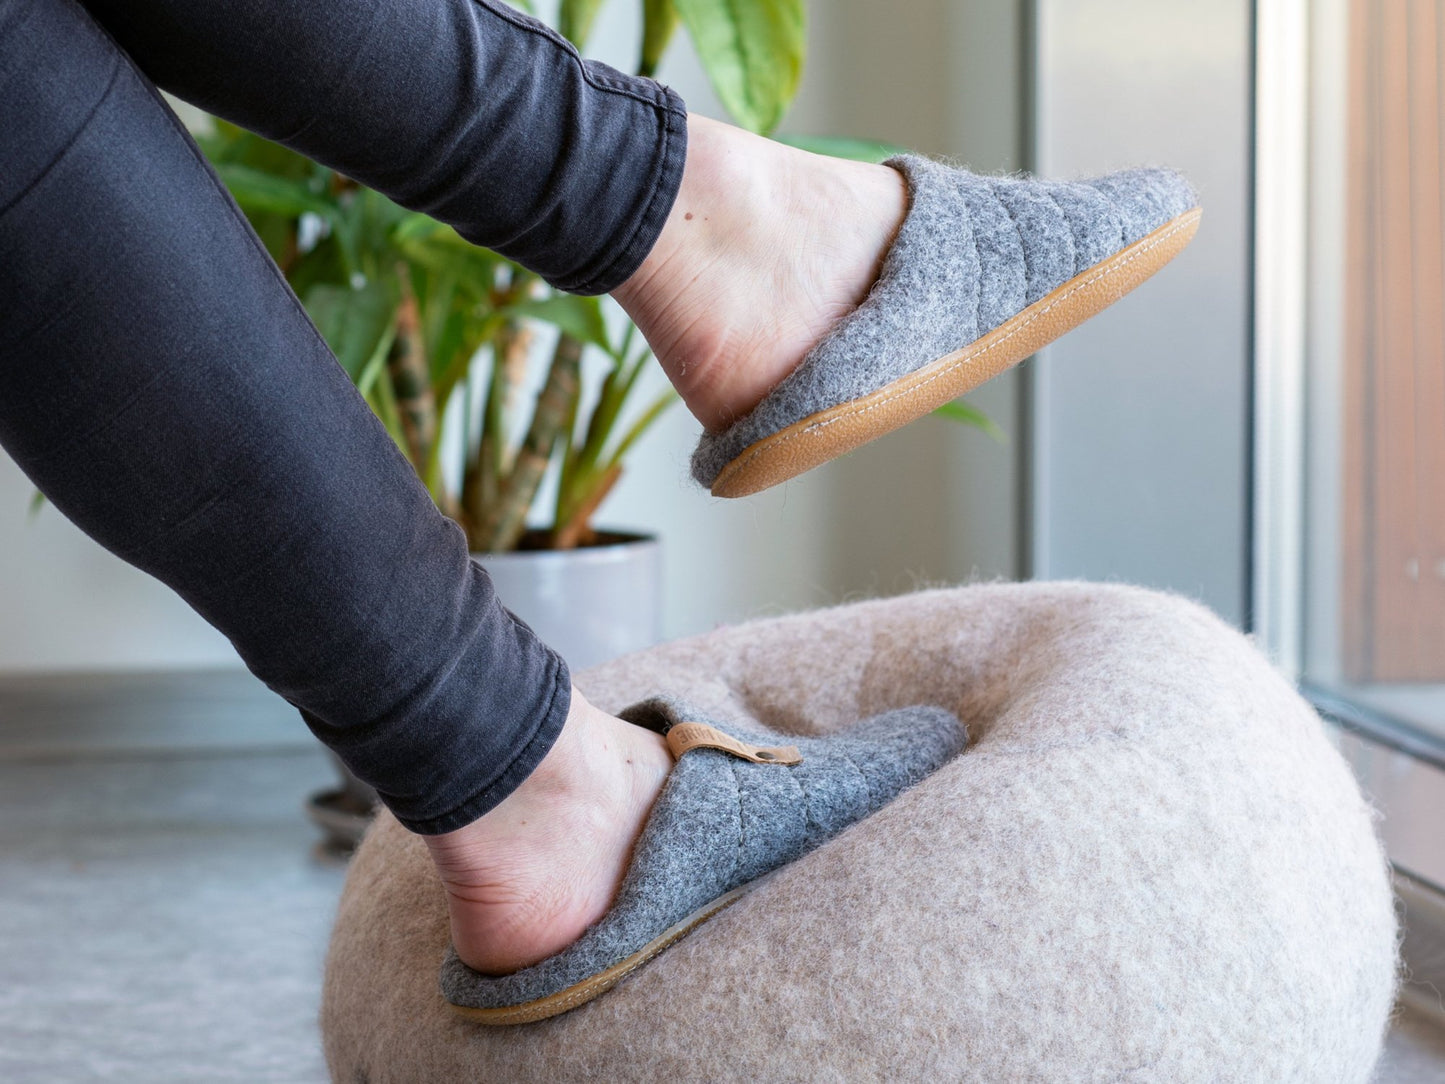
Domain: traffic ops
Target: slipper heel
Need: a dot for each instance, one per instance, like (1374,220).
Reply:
(580,993)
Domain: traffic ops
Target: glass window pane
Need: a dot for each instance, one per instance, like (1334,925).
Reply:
(1375,548)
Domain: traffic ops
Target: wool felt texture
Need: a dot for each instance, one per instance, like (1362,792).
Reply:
(1151,864)
(972,252)
(720,823)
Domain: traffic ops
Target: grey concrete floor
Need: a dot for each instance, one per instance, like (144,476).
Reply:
(163,918)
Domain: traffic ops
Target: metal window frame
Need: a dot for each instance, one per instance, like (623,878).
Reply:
(1401,767)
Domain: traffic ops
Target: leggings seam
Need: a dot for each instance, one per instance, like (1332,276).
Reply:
(79,131)
(236,214)
(569,50)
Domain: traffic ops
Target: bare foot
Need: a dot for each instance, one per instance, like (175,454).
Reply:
(766,248)
(528,877)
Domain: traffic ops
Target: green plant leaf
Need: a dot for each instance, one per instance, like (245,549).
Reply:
(643,423)
(752,51)
(374,365)
(579,317)
(604,415)
(440,249)
(323,264)
(449,369)
(858,150)
(376,218)
(37,502)
(353,322)
(575,19)
(383,403)
(968,414)
(443,322)
(611,398)
(415,226)
(659,22)
(266,192)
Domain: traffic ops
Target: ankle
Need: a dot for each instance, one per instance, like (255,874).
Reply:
(732,184)
(726,169)
(528,877)
(765,249)
(591,772)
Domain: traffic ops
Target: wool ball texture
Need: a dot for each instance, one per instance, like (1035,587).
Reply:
(1150,864)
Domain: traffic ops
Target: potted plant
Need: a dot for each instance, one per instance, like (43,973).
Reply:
(479,371)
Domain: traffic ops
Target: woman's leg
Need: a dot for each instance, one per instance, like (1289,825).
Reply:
(164,388)
(168,393)
(470,111)
(466,110)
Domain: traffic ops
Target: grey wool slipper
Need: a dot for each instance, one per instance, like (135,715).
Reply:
(733,809)
(983,272)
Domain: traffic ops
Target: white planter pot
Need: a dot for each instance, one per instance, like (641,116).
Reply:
(589,604)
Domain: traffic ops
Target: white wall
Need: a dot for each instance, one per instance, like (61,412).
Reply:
(935,502)
(66,603)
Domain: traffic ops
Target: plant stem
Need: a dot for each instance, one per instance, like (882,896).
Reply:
(577,529)
(484,472)
(502,524)
(411,379)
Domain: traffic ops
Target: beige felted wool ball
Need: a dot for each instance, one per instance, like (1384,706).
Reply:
(1149,865)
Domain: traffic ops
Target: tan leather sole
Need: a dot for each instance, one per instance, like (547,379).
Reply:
(600,983)
(828,434)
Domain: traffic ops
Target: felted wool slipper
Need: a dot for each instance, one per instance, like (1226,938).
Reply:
(733,810)
(984,271)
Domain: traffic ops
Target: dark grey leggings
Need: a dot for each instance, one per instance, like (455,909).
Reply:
(163,387)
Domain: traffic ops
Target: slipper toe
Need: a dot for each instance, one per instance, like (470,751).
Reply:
(983,271)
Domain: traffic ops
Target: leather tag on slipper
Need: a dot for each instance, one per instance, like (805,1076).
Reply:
(685,736)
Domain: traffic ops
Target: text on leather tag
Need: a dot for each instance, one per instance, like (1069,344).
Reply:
(685,736)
